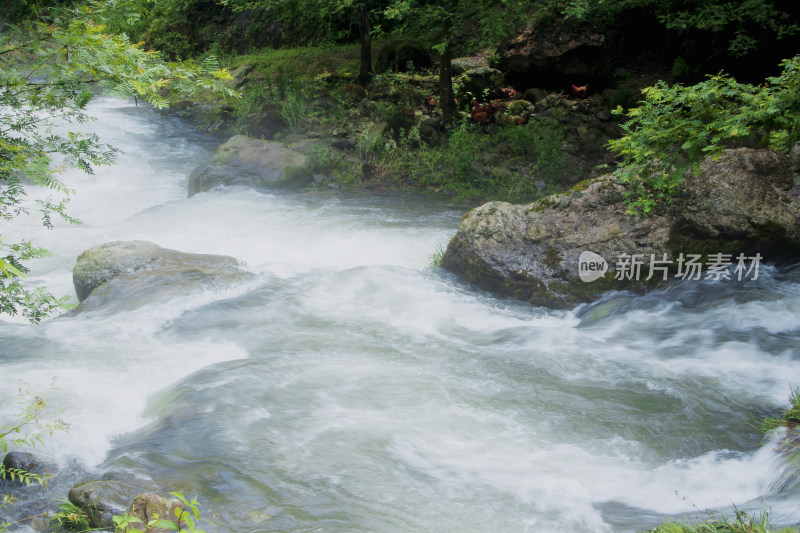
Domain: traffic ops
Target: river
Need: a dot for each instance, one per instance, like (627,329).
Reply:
(350,387)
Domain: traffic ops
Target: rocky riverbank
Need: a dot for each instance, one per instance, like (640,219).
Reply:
(743,206)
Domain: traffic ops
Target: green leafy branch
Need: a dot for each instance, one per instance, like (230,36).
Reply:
(26,430)
(675,127)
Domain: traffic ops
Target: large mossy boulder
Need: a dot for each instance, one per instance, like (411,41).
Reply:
(140,271)
(252,163)
(744,203)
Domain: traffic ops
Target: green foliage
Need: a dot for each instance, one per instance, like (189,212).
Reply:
(25,431)
(187,517)
(473,161)
(295,110)
(435,258)
(48,74)
(477,23)
(303,64)
(70,517)
(790,417)
(718,523)
(743,23)
(675,127)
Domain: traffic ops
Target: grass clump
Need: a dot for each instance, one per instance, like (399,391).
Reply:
(435,258)
(500,162)
(70,517)
(790,418)
(718,523)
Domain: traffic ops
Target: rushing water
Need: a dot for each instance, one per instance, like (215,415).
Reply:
(351,388)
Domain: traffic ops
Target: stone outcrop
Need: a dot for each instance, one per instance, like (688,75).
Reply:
(101,500)
(746,202)
(560,52)
(252,163)
(111,270)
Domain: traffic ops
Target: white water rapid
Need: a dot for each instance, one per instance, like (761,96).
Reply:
(351,388)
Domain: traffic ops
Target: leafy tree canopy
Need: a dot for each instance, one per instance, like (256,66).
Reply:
(49,71)
(743,22)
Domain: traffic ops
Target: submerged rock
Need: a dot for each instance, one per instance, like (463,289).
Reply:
(744,203)
(252,163)
(143,269)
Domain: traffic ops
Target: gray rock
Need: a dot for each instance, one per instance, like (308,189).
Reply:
(535,95)
(101,500)
(314,148)
(129,267)
(478,79)
(794,157)
(746,202)
(239,75)
(252,163)
(462,64)
(344,144)
(24,461)
(148,506)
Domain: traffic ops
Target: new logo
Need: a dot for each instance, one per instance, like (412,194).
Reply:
(591,266)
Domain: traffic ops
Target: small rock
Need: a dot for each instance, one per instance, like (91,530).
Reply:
(535,95)
(603,115)
(344,144)
(148,506)
(24,461)
(478,79)
(463,64)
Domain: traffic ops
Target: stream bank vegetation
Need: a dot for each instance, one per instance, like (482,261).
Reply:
(26,430)
(741,522)
(675,127)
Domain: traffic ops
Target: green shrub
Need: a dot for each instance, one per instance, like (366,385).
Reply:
(295,110)
(675,127)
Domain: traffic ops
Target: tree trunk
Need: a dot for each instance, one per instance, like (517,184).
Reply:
(447,101)
(366,69)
